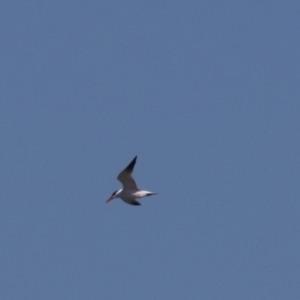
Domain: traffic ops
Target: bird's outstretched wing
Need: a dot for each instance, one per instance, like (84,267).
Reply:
(131,201)
(126,178)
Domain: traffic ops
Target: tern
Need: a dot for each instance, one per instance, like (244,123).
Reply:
(130,191)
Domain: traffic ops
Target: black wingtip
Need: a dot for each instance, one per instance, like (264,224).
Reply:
(135,203)
(130,167)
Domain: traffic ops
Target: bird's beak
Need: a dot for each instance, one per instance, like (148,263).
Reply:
(109,199)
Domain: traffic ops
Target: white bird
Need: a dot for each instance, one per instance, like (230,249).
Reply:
(130,191)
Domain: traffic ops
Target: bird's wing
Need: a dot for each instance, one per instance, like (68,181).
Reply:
(131,201)
(125,176)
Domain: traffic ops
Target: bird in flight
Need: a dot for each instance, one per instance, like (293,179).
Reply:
(130,191)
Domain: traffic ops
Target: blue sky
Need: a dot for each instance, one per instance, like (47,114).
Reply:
(206,93)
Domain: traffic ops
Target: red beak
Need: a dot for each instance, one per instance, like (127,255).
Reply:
(109,199)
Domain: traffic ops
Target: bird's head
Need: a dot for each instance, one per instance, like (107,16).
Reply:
(114,195)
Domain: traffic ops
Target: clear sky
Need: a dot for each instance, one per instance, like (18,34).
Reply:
(206,93)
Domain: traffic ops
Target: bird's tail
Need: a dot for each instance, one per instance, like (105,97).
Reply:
(150,194)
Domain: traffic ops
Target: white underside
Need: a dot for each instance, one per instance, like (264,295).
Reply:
(132,194)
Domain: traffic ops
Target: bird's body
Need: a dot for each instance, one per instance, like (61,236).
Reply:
(130,191)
